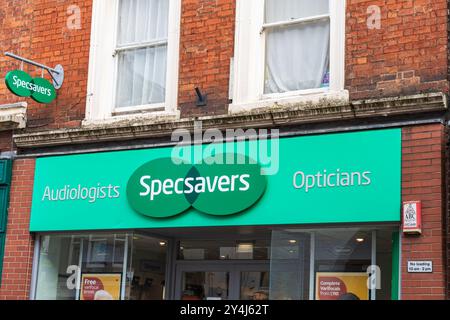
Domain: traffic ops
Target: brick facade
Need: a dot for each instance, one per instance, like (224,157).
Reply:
(38,30)
(6,143)
(206,49)
(423,178)
(19,246)
(14,37)
(408,55)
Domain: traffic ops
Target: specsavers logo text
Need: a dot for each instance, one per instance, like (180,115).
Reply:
(162,189)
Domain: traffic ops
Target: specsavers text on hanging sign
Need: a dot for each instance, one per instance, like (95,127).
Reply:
(23,85)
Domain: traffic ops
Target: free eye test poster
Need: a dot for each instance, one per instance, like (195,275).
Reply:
(100,286)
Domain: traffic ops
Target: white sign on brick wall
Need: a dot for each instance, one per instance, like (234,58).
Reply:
(420,266)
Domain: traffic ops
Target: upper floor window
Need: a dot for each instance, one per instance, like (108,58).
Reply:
(134,57)
(288,49)
(142,52)
(297,45)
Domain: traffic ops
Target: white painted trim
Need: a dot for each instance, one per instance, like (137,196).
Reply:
(101,63)
(121,119)
(148,107)
(400,237)
(80,264)
(141,45)
(14,105)
(295,93)
(249,58)
(248,66)
(173,57)
(116,59)
(295,21)
(92,55)
(305,97)
(312,264)
(35,267)
(373,290)
(124,270)
(101,91)
(231,79)
(337,45)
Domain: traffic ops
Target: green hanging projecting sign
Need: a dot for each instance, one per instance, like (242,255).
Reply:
(331,178)
(21,84)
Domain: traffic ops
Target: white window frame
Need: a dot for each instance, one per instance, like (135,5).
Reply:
(102,85)
(249,59)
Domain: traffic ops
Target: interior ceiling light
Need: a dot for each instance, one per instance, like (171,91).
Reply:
(245,247)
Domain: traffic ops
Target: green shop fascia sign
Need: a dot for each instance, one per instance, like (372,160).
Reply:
(333,178)
(23,85)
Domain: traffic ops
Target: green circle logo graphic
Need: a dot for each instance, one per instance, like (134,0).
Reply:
(155,189)
(162,189)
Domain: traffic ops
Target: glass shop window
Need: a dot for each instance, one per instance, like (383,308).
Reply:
(101,267)
(224,249)
(332,264)
(148,268)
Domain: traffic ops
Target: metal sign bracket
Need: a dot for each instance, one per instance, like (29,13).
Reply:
(57,73)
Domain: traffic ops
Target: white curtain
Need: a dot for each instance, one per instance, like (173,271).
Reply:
(297,56)
(142,72)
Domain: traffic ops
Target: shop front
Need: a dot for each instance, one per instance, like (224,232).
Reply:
(313,217)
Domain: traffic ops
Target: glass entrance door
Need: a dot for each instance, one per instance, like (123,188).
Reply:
(205,285)
(254,285)
(222,281)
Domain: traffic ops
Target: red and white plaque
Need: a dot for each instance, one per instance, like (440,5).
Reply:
(412,217)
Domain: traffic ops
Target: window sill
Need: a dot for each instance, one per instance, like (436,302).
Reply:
(13,116)
(134,118)
(157,107)
(298,99)
(293,94)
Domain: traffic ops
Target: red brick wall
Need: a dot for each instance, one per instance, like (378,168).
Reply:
(447,210)
(6,141)
(423,179)
(407,55)
(38,30)
(206,47)
(19,246)
(16,20)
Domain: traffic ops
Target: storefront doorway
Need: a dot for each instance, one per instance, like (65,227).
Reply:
(222,281)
